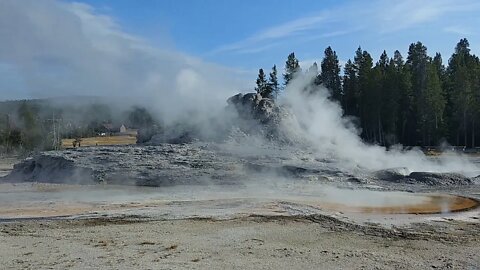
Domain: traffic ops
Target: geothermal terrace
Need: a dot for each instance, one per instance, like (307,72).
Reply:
(201,205)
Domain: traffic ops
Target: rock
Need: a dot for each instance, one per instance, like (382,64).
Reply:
(476,180)
(296,171)
(163,165)
(247,106)
(439,179)
(257,113)
(402,175)
(251,113)
(174,134)
(266,110)
(50,169)
(357,180)
(236,99)
(290,169)
(284,170)
(160,138)
(392,175)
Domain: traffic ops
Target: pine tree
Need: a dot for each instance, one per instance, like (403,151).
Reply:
(406,102)
(435,102)
(442,75)
(475,66)
(262,85)
(417,63)
(383,62)
(461,71)
(273,82)
(437,62)
(386,99)
(350,89)
(391,103)
(330,74)
(367,88)
(292,68)
(370,83)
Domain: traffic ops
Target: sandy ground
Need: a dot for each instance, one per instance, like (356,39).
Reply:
(247,243)
(45,230)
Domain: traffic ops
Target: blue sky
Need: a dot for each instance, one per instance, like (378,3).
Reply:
(249,34)
(104,47)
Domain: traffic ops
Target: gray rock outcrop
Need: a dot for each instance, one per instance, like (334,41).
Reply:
(254,106)
(439,179)
(50,169)
(164,165)
(402,176)
(257,114)
(392,175)
(195,163)
(251,113)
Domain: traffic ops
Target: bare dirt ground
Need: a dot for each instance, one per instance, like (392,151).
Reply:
(246,243)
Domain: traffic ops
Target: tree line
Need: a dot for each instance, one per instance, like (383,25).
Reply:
(417,101)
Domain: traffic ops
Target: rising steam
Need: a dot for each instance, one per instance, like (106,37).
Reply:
(319,122)
(55,48)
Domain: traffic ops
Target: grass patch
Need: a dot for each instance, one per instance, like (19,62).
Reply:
(102,140)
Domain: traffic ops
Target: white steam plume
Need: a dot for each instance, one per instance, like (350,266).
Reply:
(62,49)
(318,121)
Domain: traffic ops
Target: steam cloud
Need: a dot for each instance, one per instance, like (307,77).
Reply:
(53,48)
(319,121)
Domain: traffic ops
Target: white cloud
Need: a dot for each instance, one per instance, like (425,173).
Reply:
(459,30)
(290,28)
(381,17)
(398,15)
(257,49)
(285,30)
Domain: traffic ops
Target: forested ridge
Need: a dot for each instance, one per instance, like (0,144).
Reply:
(413,101)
